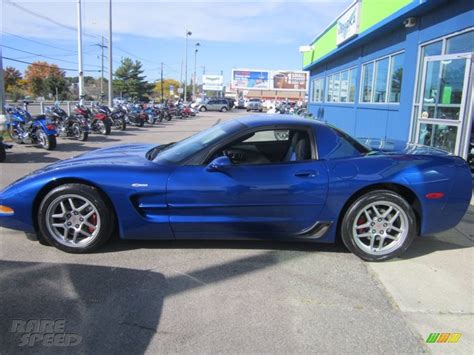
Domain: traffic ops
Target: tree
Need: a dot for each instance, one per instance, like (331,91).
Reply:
(129,80)
(12,77)
(167,83)
(44,79)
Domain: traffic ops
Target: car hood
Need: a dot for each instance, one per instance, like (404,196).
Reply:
(390,147)
(126,155)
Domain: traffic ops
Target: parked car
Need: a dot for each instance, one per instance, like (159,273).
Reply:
(240,103)
(214,105)
(255,105)
(273,178)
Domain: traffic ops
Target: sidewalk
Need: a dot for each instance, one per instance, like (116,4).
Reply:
(433,285)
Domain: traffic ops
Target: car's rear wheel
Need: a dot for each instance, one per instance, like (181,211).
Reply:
(75,218)
(378,226)
(203,109)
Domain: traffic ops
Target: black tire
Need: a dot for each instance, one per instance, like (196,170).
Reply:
(48,142)
(108,127)
(141,123)
(84,136)
(261,110)
(105,212)
(123,124)
(203,109)
(355,210)
(224,109)
(248,110)
(3,153)
(13,133)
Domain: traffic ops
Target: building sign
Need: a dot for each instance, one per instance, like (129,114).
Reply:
(347,26)
(212,82)
(250,79)
(289,80)
(171,90)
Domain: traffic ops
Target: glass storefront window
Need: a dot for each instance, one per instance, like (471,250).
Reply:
(352,84)
(336,87)
(329,89)
(380,80)
(344,86)
(396,76)
(463,43)
(438,135)
(443,90)
(367,76)
(317,94)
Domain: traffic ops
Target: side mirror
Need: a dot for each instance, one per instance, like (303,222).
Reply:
(219,164)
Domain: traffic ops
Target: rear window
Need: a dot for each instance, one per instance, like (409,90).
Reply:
(334,143)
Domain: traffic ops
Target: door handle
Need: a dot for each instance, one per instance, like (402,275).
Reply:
(307,173)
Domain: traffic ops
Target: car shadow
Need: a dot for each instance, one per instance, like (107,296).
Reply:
(29,157)
(116,245)
(107,310)
(73,146)
(101,138)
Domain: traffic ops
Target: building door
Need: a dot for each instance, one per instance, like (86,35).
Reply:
(444,119)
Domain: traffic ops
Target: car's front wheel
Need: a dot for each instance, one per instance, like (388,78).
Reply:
(75,218)
(379,225)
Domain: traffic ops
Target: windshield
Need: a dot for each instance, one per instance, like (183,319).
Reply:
(182,150)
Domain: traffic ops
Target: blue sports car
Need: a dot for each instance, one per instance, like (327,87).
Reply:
(265,177)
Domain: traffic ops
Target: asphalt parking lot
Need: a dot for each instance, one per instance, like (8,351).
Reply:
(245,297)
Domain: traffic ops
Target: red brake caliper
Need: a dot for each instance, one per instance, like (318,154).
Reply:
(94,222)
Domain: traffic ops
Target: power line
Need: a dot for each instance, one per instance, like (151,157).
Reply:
(41,43)
(46,18)
(47,65)
(45,56)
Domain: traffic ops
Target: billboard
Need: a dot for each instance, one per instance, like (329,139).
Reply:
(250,79)
(212,82)
(289,80)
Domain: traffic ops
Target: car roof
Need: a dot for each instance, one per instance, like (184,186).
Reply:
(276,119)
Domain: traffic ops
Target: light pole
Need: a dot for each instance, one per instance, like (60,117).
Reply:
(110,90)
(79,50)
(194,77)
(188,33)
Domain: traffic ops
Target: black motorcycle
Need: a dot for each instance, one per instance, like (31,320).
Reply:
(74,126)
(116,115)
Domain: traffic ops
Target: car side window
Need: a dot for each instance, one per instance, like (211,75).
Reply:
(270,146)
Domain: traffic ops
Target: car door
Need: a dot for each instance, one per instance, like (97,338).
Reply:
(269,200)
(212,105)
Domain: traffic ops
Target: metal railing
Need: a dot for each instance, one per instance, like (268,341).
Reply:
(36,108)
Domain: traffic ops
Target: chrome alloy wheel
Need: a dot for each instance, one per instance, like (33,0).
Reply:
(380,228)
(73,220)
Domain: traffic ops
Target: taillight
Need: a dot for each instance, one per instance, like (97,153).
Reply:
(51,127)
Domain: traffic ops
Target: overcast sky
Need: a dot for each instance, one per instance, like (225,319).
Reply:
(240,34)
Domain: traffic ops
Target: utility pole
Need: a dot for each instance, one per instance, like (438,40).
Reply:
(79,50)
(162,93)
(110,56)
(188,33)
(102,46)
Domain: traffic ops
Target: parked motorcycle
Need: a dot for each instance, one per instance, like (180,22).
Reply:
(24,128)
(134,115)
(116,116)
(68,126)
(98,122)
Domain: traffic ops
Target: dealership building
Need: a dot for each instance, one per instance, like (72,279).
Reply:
(397,70)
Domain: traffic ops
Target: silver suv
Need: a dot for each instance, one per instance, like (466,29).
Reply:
(255,105)
(215,105)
